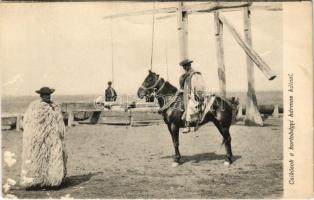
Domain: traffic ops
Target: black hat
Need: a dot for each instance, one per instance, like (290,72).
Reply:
(45,90)
(185,62)
(109,82)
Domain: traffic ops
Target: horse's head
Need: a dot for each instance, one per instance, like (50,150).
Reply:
(149,85)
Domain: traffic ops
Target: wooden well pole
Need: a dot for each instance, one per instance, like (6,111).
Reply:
(253,116)
(220,53)
(182,21)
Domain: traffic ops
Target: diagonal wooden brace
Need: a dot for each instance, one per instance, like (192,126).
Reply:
(260,63)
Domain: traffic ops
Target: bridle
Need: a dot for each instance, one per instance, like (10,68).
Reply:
(166,105)
(154,86)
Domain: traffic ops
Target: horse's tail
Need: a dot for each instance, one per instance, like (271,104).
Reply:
(233,103)
(235,108)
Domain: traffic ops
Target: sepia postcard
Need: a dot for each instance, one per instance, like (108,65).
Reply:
(156,99)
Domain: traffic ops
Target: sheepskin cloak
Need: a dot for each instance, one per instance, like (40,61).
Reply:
(43,157)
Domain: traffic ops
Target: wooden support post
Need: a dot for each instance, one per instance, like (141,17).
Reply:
(276,111)
(240,112)
(220,53)
(183,31)
(19,122)
(253,116)
(70,119)
(130,117)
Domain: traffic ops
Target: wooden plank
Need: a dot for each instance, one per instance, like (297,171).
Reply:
(147,109)
(6,127)
(78,106)
(86,106)
(145,105)
(82,115)
(236,7)
(215,6)
(110,113)
(115,120)
(220,53)
(143,12)
(146,123)
(251,53)
(252,116)
(270,7)
(146,116)
(8,121)
(202,7)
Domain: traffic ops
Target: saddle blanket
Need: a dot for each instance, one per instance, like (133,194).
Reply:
(197,111)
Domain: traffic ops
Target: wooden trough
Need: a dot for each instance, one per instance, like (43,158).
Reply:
(274,110)
(85,113)
(145,116)
(11,121)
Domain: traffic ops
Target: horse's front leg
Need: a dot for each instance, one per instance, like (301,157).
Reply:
(174,131)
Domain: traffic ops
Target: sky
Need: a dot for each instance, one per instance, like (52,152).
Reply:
(68,46)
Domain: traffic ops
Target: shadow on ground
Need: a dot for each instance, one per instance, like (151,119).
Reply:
(203,157)
(72,181)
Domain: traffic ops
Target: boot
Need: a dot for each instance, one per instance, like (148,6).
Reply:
(187,128)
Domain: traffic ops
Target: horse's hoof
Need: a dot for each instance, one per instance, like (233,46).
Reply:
(175,164)
(226,163)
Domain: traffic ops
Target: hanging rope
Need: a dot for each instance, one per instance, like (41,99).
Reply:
(112,56)
(153,30)
(166,52)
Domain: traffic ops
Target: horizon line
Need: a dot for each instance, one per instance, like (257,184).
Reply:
(80,94)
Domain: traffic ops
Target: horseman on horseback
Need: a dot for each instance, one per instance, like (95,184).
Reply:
(193,86)
(215,108)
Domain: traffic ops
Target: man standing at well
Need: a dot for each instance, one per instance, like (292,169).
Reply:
(110,93)
(192,83)
(43,157)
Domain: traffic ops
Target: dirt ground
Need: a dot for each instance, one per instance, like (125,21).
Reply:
(135,162)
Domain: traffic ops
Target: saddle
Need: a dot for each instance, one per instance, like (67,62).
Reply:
(205,107)
(209,106)
(202,108)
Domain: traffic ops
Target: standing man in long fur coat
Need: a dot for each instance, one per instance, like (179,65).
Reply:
(43,158)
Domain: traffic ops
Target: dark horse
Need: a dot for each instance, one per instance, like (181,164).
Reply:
(171,107)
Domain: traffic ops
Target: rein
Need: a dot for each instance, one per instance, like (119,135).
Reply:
(172,100)
(169,103)
(162,86)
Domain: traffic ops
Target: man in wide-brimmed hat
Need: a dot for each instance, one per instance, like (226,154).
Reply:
(43,156)
(45,94)
(192,83)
